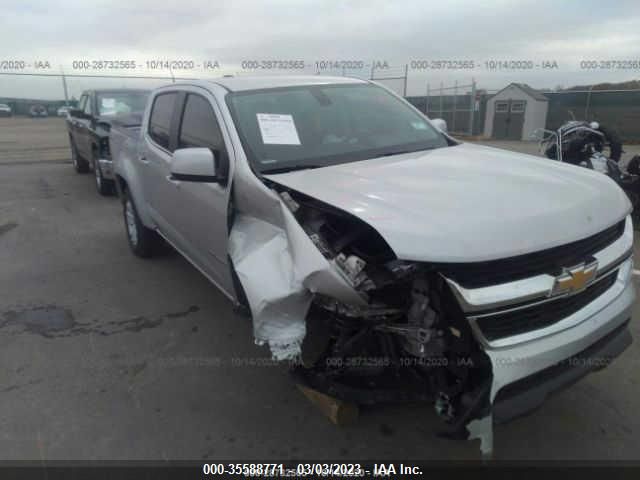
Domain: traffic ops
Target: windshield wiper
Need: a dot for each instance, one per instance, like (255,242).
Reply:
(290,169)
(391,154)
(400,152)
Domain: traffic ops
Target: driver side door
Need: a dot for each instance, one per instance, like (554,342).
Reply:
(192,215)
(84,125)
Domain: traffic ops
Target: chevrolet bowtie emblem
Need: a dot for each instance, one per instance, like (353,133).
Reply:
(574,279)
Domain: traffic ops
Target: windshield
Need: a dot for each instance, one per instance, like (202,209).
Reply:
(320,125)
(117,103)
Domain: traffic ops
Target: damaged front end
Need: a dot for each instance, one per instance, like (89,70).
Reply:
(326,289)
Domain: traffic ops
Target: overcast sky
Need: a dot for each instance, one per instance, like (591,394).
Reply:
(385,30)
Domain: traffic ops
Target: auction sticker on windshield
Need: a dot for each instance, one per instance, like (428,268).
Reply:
(278,129)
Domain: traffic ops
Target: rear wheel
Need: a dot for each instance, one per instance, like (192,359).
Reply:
(143,241)
(79,163)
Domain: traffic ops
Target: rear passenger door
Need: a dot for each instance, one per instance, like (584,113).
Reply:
(197,211)
(156,155)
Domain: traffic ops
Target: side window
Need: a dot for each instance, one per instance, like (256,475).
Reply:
(517,106)
(199,127)
(82,102)
(160,120)
(502,107)
(87,106)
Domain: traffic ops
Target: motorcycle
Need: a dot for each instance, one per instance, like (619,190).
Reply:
(584,143)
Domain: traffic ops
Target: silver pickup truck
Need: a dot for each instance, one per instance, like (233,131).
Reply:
(390,261)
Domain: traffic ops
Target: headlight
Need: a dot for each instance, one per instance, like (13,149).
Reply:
(626,271)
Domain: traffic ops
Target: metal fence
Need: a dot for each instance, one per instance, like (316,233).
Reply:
(617,109)
(461,106)
(66,88)
(67,85)
(395,78)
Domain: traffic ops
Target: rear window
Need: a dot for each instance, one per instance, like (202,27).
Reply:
(120,103)
(160,120)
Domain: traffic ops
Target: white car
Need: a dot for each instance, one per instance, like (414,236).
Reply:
(390,261)
(5,110)
(63,111)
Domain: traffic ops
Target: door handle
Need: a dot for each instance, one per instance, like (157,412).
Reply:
(143,159)
(173,181)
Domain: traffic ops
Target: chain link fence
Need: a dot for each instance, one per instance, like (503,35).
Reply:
(617,109)
(462,106)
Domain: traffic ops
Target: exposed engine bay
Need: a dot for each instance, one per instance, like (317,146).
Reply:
(406,340)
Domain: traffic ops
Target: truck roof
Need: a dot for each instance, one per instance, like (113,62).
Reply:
(114,90)
(240,83)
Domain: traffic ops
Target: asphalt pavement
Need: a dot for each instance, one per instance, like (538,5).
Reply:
(107,356)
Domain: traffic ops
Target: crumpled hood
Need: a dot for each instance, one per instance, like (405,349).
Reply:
(467,203)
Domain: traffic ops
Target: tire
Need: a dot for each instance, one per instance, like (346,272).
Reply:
(143,241)
(105,187)
(79,163)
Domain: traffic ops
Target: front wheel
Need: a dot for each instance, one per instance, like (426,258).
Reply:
(79,163)
(105,187)
(143,241)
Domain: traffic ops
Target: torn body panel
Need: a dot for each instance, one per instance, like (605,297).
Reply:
(280,269)
(324,286)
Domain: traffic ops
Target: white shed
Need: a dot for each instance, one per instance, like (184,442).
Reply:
(515,112)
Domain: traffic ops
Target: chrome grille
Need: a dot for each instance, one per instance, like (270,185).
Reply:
(515,322)
(550,261)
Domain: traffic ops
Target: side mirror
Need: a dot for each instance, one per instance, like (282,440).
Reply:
(198,165)
(104,125)
(440,124)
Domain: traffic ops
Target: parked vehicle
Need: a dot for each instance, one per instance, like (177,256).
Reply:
(38,111)
(584,144)
(5,110)
(63,111)
(392,262)
(88,127)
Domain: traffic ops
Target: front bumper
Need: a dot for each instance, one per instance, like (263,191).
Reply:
(530,392)
(106,167)
(527,372)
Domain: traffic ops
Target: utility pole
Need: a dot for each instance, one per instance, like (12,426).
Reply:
(64,87)
(455,101)
(472,106)
(426,103)
(406,76)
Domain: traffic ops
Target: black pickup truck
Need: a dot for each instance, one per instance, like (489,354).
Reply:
(89,126)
